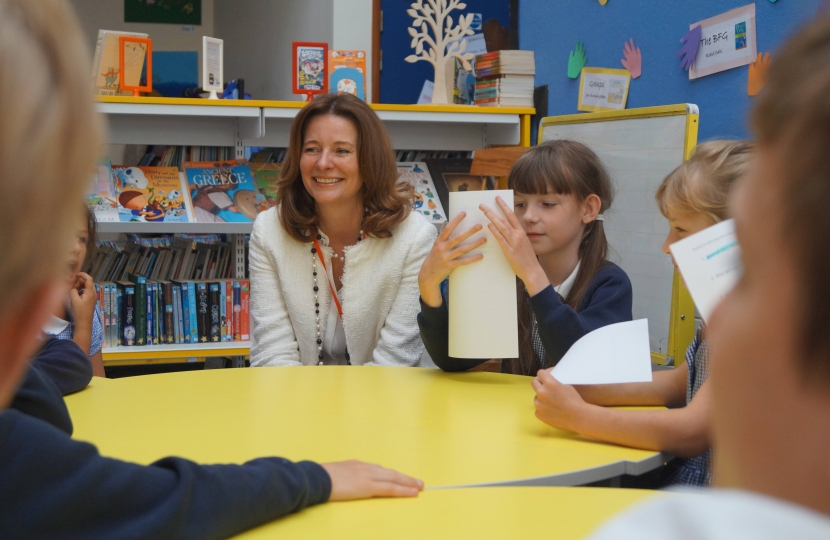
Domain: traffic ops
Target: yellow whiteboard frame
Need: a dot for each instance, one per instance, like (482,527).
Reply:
(682,316)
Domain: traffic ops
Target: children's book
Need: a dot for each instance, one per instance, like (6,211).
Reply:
(106,69)
(151,194)
(101,195)
(427,201)
(266,176)
(223,191)
(347,73)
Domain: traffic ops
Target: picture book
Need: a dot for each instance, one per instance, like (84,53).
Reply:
(310,64)
(106,69)
(347,73)
(427,201)
(101,196)
(266,176)
(223,191)
(152,194)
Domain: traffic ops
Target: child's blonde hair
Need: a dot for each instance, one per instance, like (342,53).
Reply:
(49,140)
(702,184)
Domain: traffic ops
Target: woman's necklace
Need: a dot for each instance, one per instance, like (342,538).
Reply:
(316,254)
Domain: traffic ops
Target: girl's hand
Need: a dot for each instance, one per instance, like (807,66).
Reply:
(83,299)
(444,258)
(516,247)
(558,405)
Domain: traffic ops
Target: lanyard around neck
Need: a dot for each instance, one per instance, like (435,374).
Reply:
(330,277)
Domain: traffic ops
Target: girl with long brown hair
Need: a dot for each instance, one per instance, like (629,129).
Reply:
(555,242)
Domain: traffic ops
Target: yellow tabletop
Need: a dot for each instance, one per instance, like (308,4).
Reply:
(481,513)
(449,429)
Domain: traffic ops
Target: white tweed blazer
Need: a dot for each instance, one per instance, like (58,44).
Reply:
(380,296)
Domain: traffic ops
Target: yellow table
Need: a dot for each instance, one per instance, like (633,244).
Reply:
(449,429)
(482,513)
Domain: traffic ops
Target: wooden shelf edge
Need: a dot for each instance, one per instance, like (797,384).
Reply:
(172,352)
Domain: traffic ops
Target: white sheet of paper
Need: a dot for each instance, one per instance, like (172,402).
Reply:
(475,44)
(710,263)
(212,64)
(613,354)
(426,93)
(482,295)
(726,41)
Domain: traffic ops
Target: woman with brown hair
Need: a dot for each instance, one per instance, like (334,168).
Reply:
(334,267)
(555,243)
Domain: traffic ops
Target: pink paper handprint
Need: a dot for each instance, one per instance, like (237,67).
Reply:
(633,61)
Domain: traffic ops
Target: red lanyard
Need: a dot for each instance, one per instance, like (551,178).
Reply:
(330,278)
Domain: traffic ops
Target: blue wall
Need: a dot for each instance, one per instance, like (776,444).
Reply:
(401,82)
(551,28)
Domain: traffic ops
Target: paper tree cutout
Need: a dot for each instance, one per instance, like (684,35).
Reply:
(758,71)
(691,41)
(633,61)
(435,15)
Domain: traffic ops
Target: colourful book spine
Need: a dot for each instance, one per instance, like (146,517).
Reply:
(177,329)
(202,312)
(215,313)
(150,322)
(185,298)
(194,325)
(109,315)
(229,310)
(223,315)
(119,306)
(246,302)
(237,308)
(141,311)
(128,315)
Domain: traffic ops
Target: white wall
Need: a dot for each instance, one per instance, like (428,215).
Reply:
(258,36)
(109,15)
(353,31)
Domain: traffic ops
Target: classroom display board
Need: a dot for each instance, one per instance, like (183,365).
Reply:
(638,147)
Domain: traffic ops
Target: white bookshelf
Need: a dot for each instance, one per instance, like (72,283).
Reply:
(241,123)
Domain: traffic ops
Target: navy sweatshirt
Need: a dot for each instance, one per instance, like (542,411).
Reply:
(59,369)
(607,300)
(54,487)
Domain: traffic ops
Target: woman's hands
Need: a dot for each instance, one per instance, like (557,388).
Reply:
(444,258)
(354,479)
(516,247)
(558,405)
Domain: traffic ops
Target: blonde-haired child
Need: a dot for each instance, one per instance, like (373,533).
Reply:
(693,197)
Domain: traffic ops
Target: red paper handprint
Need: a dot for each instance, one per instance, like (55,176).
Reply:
(633,61)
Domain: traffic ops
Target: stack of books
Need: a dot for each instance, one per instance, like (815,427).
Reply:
(505,78)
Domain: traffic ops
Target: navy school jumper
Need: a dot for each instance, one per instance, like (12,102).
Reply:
(607,300)
(54,487)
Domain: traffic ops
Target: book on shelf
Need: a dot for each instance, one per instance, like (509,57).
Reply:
(505,78)
(266,176)
(105,63)
(150,194)
(223,192)
(347,73)
(426,201)
(100,196)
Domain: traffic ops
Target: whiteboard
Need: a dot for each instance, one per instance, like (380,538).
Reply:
(638,154)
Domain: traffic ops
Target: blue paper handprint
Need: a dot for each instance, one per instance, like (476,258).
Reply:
(577,60)
(690,41)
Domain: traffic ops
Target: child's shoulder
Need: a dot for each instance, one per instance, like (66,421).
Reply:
(611,273)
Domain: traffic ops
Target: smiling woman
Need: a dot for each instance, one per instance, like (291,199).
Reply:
(334,267)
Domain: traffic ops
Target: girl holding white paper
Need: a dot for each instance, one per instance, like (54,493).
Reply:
(693,198)
(555,243)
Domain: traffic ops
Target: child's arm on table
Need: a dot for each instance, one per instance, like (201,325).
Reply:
(683,432)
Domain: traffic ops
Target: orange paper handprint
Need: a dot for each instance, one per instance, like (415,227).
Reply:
(758,71)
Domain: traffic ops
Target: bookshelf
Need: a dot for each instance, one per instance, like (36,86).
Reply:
(241,123)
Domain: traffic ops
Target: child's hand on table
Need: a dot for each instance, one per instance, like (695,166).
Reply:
(557,404)
(351,480)
(444,257)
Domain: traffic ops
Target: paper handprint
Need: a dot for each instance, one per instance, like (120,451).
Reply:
(758,71)
(690,41)
(577,60)
(633,61)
